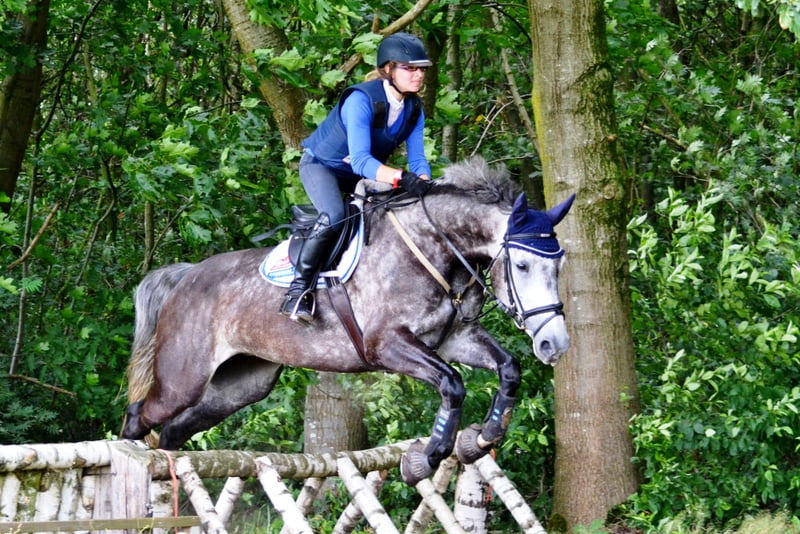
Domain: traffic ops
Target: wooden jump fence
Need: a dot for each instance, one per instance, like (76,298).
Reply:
(122,486)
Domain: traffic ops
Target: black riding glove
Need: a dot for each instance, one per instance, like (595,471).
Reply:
(415,185)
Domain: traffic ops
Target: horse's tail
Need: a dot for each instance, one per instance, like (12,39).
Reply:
(151,294)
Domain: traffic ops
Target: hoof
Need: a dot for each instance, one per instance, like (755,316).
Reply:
(414,464)
(133,428)
(467,448)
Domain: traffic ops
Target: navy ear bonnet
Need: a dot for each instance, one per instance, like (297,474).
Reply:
(533,230)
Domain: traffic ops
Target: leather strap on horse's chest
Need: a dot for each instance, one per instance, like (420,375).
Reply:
(454,297)
(340,302)
(418,253)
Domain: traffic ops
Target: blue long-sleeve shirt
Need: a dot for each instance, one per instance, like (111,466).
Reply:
(357,116)
(346,140)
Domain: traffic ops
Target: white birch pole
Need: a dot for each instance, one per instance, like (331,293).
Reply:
(234,486)
(370,506)
(281,498)
(70,495)
(436,503)
(422,516)
(307,495)
(352,513)
(8,497)
(470,500)
(47,501)
(162,503)
(54,456)
(508,493)
(311,488)
(198,496)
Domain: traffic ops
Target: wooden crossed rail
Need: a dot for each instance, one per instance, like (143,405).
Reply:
(114,477)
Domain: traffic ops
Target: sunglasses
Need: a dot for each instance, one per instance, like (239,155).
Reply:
(411,68)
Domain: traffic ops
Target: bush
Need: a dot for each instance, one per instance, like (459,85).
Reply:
(715,319)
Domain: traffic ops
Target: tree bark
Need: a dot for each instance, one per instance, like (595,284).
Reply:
(19,100)
(334,420)
(286,102)
(453,61)
(595,384)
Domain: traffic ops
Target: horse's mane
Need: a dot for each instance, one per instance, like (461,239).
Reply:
(489,184)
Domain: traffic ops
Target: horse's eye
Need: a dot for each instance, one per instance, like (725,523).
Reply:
(522,266)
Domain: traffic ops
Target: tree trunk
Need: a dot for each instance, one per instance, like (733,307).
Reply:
(334,420)
(453,61)
(19,99)
(286,102)
(595,384)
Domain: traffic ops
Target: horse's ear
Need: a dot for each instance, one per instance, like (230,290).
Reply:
(519,213)
(557,213)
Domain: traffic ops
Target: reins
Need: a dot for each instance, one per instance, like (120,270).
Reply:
(515,310)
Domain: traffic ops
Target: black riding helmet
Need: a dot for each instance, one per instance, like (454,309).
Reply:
(403,48)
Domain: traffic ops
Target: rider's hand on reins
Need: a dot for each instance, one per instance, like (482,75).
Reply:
(412,183)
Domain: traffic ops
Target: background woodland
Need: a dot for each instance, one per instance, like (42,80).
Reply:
(139,133)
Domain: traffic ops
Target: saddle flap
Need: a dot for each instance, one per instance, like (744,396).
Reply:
(350,229)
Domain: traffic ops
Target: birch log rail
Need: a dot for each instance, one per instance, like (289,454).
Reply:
(122,486)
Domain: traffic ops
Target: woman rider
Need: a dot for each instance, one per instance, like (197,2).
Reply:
(354,141)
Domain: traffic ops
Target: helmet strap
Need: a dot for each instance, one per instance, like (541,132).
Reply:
(402,94)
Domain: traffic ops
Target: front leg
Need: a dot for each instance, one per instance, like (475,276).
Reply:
(486,353)
(401,352)
(498,418)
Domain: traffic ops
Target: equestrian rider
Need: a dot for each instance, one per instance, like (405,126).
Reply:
(354,141)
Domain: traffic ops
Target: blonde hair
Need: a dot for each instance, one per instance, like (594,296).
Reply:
(381,74)
(377,73)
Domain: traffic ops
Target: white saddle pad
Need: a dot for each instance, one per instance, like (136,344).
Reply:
(277,268)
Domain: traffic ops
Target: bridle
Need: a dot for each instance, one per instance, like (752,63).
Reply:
(515,309)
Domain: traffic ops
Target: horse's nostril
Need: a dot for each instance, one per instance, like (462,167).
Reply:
(545,346)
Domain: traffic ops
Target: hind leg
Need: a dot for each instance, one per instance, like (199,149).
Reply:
(240,381)
(134,428)
(144,415)
(179,381)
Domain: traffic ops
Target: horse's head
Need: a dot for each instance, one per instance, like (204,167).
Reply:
(533,259)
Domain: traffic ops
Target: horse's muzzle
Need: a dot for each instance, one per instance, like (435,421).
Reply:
(547,353)
(551,341)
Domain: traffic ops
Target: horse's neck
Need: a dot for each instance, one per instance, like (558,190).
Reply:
(475,229)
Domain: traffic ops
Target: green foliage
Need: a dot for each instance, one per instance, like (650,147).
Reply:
(726,114)
(21,418)
(715,316)
(8,238)
(763,523)
(160,114)
(596,527)
(152,125)
(482,104)
(710,134)
(210,168)
(788,12)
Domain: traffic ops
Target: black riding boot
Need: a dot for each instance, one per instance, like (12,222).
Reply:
(298,304)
